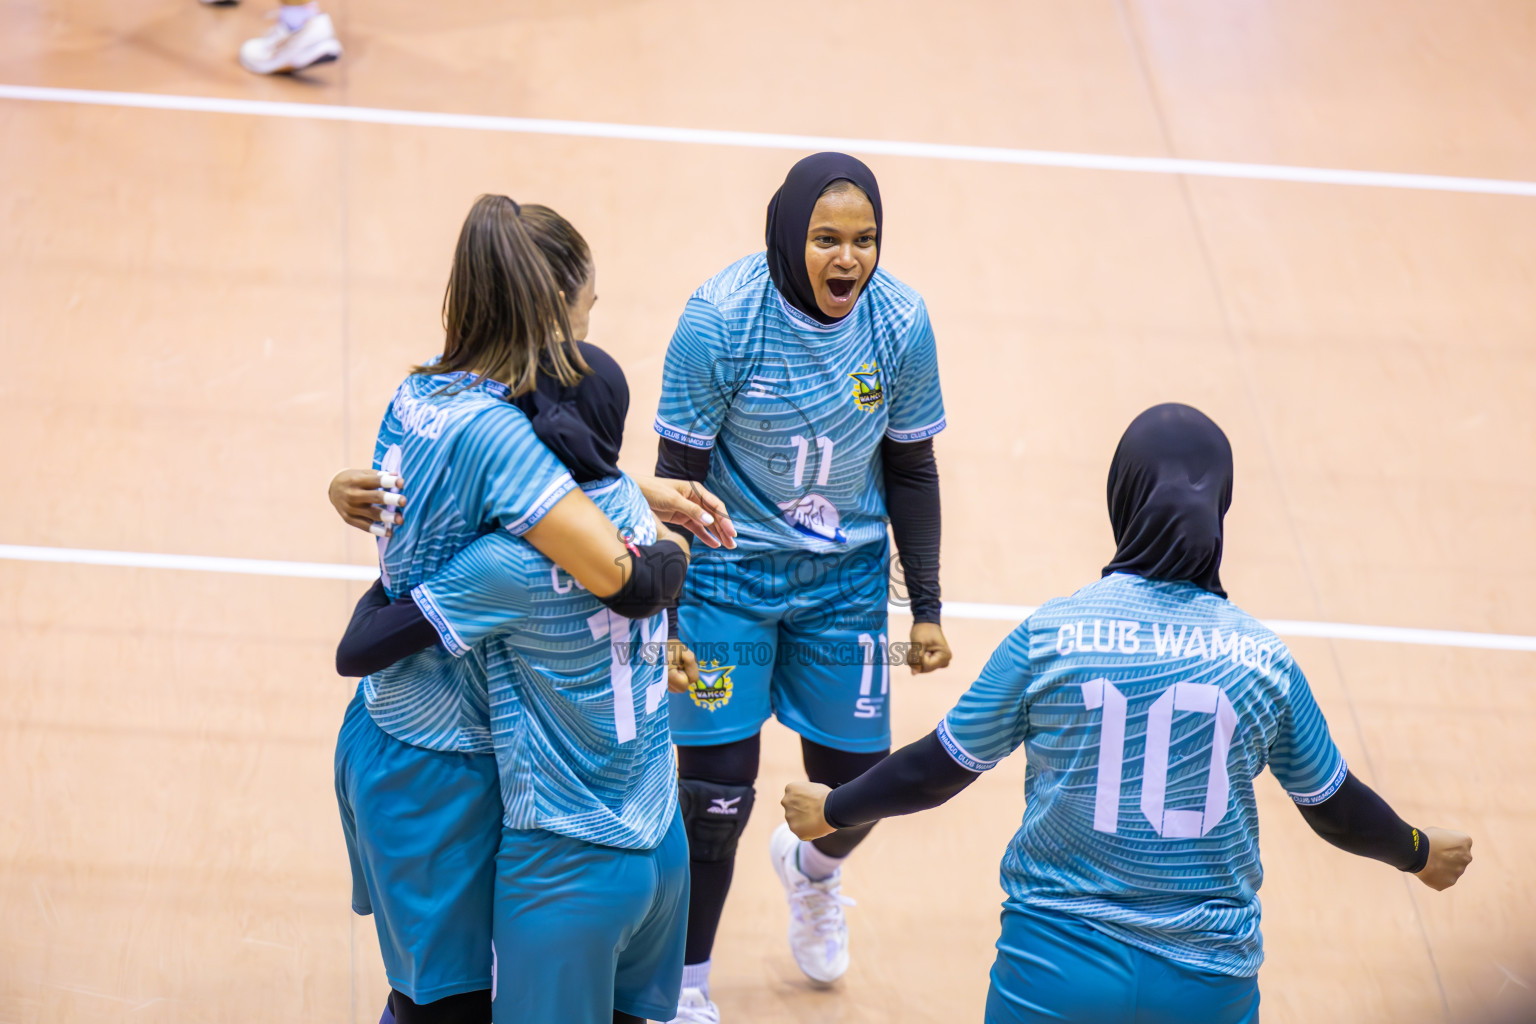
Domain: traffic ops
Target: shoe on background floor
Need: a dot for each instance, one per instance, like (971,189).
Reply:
(694,1007)
(283,50)
(818,931)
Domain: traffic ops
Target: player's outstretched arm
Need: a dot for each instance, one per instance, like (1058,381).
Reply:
(915,778)
(1358,821)
(366,499)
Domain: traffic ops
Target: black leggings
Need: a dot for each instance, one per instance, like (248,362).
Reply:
(465,1008)
(736,764)
(469,1008)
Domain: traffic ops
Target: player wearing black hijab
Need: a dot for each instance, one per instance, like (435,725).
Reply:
(801,386)
(485,587)
(1147,703)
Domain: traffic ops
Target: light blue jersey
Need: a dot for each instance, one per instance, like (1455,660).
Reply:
(1146,709)
(577,692)
(472,463)
(794,410)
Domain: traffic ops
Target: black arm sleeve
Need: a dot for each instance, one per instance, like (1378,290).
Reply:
(381,633)
(918,776)
(912,502)
(1358,821)
(678,461)
(654,584)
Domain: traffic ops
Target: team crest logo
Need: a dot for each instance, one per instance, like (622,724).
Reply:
(868,393)
(713,690)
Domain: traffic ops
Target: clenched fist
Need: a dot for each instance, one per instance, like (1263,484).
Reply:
(1449,854)
(803,803)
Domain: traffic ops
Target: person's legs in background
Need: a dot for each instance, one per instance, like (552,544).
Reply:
(301,37)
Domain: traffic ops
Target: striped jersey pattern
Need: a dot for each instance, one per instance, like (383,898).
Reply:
(795,411)
(1146,709)
(471,464)
(577,692)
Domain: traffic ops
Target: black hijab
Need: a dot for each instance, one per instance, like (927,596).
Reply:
(789,217)
(1170,484)
(582,424)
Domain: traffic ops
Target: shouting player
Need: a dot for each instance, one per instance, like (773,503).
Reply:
(802,385)
(1147,703)
(592,873)
(415,775)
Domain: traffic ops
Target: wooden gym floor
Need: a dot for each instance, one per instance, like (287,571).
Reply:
(203,313)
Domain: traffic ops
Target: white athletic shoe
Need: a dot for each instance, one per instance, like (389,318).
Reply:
(694,1007)
(281,51)
(818,932)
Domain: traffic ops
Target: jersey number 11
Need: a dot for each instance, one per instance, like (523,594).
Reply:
(608,623)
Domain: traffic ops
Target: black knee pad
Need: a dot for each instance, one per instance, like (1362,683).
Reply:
(714,815)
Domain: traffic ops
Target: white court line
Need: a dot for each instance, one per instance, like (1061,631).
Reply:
(1014,613)
(194,563)
(770,140)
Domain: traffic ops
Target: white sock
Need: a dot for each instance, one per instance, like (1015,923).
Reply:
(697,976)
(296,16)
(815,865)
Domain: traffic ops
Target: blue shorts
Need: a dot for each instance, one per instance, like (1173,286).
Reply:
(583,930)
(422,828)
(797,635)
(1054,968)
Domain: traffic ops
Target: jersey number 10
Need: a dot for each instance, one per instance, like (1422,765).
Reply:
(1203,698)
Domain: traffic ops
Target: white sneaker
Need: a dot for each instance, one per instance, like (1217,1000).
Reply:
(818,932)
(281,51)
(694,1007)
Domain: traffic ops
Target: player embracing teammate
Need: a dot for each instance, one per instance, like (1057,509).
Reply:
(802,387)
(511,729)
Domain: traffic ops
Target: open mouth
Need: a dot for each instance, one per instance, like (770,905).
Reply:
(841,288)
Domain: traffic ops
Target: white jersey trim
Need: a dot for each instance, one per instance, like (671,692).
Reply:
(451,640)
(546,501)
(806,323)
(920,434)
(962,757)
(681,436)
(1317,796)
(596,488)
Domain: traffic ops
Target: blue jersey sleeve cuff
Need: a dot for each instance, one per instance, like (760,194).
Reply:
(450,639)
(553,493)
(1317,796)
(962,756)
(920,434)
(672,433)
